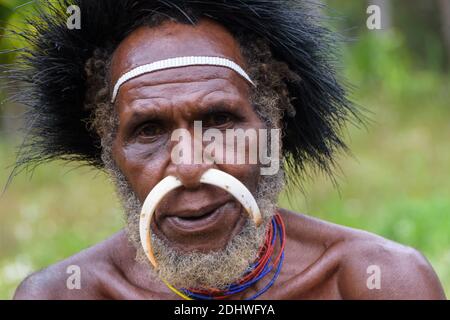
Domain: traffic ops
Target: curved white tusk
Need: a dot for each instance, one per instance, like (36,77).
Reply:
(151,202)
(232,185)
(211,176)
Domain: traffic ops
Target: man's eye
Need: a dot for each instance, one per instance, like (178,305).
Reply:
(149,130)
(218,120)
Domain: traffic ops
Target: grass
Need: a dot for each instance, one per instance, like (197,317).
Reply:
(396,184)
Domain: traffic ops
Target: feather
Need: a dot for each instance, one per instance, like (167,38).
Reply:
(50,71)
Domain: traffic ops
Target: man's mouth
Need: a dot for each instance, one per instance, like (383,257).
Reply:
(204,218)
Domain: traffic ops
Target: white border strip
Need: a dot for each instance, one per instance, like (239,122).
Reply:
(176,63)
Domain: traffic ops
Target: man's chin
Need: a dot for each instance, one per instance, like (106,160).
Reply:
(214,269)
(205,233)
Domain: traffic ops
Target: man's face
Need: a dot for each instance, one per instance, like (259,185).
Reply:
(197,217)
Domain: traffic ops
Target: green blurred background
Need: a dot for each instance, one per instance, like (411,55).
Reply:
(395,184)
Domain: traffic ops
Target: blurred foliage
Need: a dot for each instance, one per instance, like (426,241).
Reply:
(396,184)
(12,13)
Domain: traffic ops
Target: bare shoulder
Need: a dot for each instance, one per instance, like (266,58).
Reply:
(376,268)
(77,277)
(369,266)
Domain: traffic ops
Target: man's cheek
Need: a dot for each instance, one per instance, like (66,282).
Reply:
(142,171)
(248,174)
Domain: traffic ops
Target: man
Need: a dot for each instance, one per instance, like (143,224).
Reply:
(111,94)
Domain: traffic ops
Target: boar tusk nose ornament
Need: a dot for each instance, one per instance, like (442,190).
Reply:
(214,177)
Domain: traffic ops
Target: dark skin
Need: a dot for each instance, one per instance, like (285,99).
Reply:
(322,260)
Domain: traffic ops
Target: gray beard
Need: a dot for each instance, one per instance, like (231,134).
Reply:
(214,269)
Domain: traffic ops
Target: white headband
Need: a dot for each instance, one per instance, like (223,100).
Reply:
(176,63)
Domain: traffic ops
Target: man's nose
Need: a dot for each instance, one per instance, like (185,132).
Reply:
(190,174)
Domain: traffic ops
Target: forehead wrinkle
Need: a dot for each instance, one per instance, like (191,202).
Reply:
(188,89)
(152,103)
(188,97)
(144,87)
(189,109)
(227,97)
(188,74)
(139,108)
(164,107)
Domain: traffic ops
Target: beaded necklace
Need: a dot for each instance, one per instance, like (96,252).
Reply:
(257,270)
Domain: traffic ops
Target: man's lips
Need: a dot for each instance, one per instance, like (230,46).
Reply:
(198,220)
(189,211)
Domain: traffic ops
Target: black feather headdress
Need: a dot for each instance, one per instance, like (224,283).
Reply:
(51,71)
